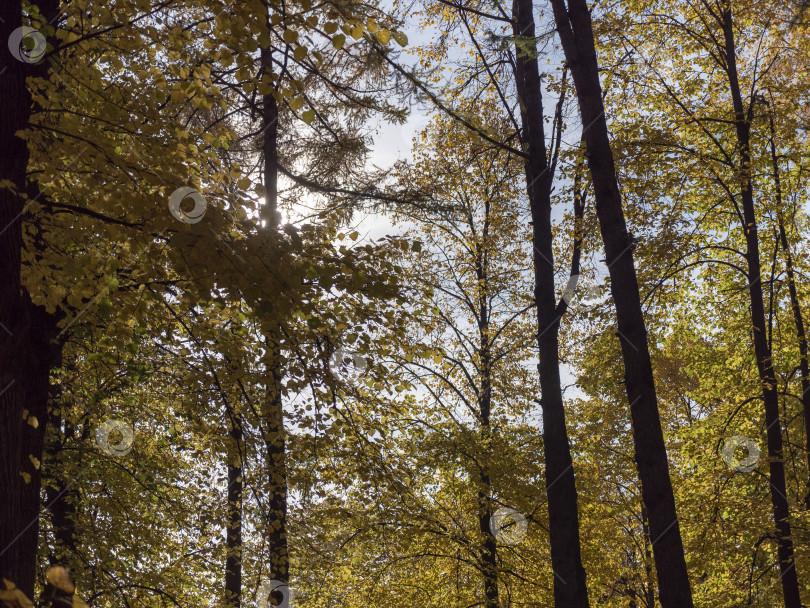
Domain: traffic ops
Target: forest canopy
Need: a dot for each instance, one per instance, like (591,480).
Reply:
(448,303)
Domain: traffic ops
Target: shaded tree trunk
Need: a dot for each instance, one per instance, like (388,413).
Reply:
(576,35)
(762,352)
(801,335)
(233,535)
(26,331)
(489,550)
(273,411)
(649,579)
(570,589)
(62,499)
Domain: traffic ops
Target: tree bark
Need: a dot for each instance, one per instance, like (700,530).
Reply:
(233,535)
(62,498)
(801,334)
(489,550)
(570,588)
(762,351)
(273,411)
(576,35)
(26,331)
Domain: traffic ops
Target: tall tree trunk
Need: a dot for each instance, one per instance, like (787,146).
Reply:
(26,331)
(649,579)
(570,589)
(273,411)
(489,553)
(576,34)
(762,351)
(233,534)
(801,334)
(62,499)
(16,103)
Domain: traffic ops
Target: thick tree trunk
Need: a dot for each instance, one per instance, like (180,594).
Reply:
(233,535)
(576,34)
(801,334)
(16,103)
(762,352)
(26,331)
(570,589)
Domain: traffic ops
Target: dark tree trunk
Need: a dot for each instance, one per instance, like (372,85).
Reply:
(801,334)
(276,530)
(61,496)
(649,579)
(576,34)
(233,538)
(26,331)
(14,379)
(570,589)
(762,352)
(489,550)
(273,411)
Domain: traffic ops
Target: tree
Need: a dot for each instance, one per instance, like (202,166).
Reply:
(576,35)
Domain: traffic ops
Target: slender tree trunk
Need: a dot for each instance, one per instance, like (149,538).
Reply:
(489,553)
(801,335)
(649,587)
(273,411)
(762,352)
(233,535)
(576,34)
(62,499)
(570,589)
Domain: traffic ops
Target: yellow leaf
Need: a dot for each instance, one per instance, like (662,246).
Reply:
(34,461)
(308,116)
(383,36)
(32,420)
(338,41)
(401,38)
(26,477)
